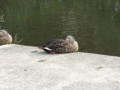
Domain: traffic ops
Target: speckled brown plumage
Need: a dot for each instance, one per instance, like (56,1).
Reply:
(5,37)
(60,46)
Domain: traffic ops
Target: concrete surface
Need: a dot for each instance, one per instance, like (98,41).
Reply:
(29,68)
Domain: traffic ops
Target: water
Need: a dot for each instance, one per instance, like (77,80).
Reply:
(94,23)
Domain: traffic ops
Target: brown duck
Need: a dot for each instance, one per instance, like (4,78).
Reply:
(5,37)
(68,45)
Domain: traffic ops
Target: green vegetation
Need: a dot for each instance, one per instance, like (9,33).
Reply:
(16,41)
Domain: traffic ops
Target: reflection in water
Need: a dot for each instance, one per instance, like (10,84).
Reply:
(94,23)
(69,24)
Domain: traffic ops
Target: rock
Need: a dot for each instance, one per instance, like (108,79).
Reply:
(29,68)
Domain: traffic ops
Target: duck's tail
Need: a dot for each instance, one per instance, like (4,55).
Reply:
(46,49)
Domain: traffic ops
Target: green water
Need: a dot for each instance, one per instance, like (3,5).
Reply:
(94,23)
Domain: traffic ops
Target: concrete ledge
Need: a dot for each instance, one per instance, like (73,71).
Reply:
(29,68)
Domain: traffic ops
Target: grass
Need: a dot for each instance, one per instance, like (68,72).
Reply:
(16,41)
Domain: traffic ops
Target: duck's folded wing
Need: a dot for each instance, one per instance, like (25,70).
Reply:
(58,43)
(48,43)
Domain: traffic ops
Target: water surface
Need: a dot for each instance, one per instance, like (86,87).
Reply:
(94,23)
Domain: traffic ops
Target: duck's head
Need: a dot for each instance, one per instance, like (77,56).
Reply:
(70,39)
(4,33)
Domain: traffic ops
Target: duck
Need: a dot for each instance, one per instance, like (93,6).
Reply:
(5,37)
(69,45)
